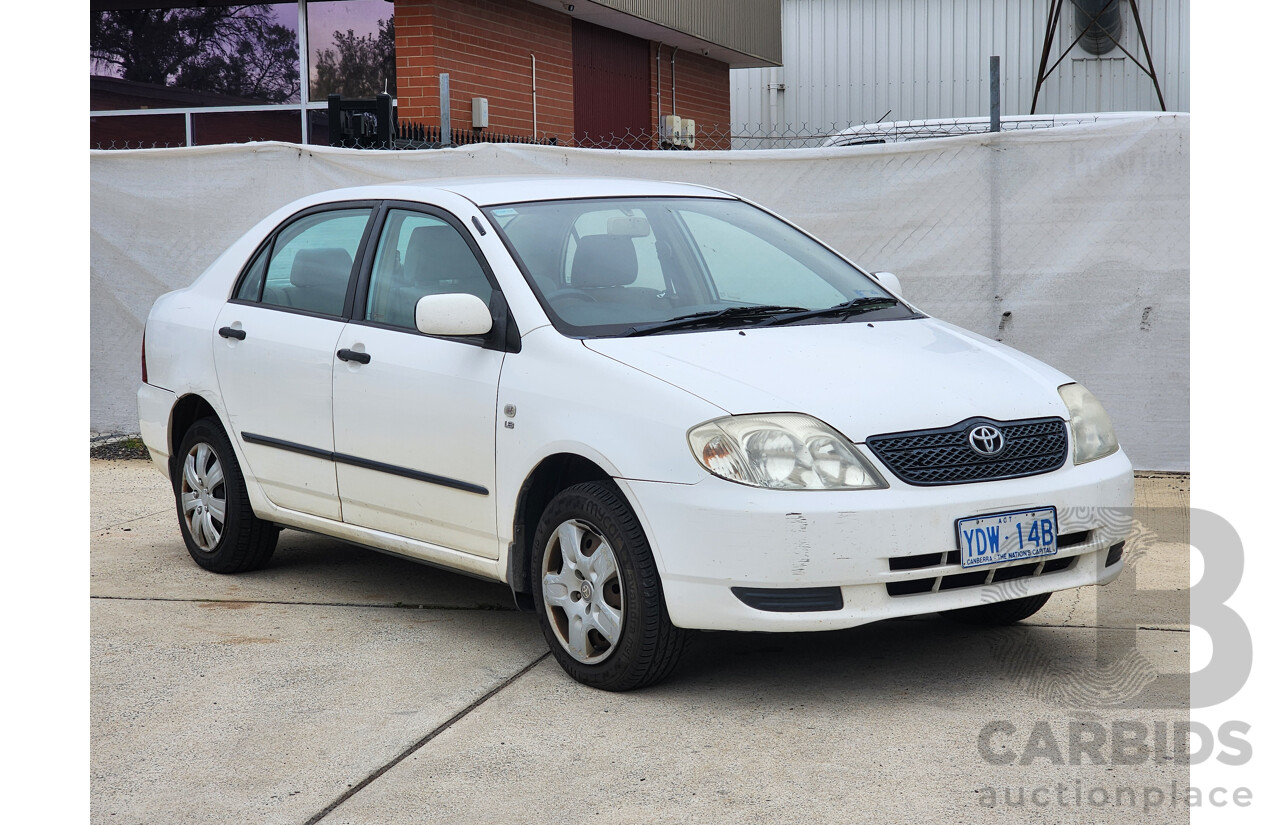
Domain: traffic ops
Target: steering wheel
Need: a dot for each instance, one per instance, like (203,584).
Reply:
(572,292)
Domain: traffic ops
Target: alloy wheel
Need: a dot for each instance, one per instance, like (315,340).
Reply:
(582,591)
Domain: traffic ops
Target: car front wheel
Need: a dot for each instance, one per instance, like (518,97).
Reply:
(599,598)
(218,525)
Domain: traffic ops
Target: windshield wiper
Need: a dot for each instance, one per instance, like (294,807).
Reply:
(712,318)
(855,307)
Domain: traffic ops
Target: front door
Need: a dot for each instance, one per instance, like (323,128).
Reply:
(414,415)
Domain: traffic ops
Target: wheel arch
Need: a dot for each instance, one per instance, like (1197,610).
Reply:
(552,474)
(186,411)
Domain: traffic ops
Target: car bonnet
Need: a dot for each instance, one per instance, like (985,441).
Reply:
(861,378)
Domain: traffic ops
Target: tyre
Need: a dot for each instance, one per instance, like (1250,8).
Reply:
(218,525)
(998,613)
(598,595)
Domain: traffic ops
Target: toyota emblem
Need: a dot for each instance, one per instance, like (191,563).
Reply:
(986,441)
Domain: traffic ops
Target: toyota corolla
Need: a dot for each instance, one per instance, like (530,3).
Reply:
(648,408)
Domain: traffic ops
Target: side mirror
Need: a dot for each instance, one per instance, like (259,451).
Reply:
(889,281)
(457,313)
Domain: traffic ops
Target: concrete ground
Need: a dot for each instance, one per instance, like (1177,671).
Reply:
(344,686)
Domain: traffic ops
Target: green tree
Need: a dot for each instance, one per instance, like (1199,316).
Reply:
(233,50)
(358,65)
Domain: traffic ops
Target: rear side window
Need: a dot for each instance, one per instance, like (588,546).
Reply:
(311,262)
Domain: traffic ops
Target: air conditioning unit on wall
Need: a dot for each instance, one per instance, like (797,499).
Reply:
(677,132)
(671,132)
(687,128)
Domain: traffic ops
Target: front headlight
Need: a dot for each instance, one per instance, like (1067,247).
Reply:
(781,451)
(1091,429)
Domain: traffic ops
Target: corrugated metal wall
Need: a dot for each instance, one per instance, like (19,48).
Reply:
(748,26)
(857,61)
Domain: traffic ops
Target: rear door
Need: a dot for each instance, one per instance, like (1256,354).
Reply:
(414,416)
(274,349)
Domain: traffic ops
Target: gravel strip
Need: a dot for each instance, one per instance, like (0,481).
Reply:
(129,448)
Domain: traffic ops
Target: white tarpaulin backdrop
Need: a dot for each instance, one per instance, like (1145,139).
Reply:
(1071,244)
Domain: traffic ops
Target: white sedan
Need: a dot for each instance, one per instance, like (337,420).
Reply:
(647,407)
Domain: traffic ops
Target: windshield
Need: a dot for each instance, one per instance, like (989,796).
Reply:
(625,266)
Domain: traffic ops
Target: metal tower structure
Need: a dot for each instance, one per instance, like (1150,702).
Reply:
(1099,21)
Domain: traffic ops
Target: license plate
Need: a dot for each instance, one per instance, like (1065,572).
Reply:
(1026,534)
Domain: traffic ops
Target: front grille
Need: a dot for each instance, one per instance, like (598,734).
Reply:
(976,578)
(944,456)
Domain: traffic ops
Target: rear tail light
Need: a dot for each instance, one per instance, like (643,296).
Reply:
(144,355)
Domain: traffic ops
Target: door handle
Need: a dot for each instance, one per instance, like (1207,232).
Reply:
(352,355)
(229,332)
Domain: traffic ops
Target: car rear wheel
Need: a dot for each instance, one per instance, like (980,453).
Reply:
(599,598)
(218,525)
(998,613)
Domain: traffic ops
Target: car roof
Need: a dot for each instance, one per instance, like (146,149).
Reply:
(494,190)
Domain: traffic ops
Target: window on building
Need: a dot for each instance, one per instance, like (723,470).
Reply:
(353,48)
(214,55)
(198,56)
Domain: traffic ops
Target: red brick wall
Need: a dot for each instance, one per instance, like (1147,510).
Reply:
(485,47)
(702,94)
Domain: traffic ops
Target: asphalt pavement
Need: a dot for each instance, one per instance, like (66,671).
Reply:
(340,685)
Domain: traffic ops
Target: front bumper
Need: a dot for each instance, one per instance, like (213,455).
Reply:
(715,535)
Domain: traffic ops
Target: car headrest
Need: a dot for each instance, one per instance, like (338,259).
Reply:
(437,254)
(418,252)
(604,260)
(325,267)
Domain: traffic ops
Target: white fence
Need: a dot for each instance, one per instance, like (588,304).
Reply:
(1071,244)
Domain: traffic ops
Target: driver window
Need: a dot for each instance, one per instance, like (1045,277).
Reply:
(420,254)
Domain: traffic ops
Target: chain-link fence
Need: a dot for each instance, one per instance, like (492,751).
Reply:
(805,136)
(416,136)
